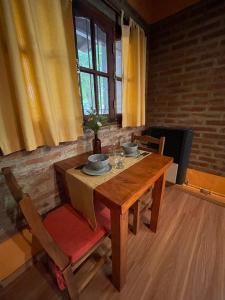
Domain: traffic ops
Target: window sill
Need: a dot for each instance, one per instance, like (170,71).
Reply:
(113,123)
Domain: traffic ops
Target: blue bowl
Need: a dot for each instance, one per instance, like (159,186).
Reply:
(98,161)
(130,148)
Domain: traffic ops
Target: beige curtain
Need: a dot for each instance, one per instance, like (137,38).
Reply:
(39,94)
(134,74)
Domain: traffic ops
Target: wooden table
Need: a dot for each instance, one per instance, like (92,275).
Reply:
(119,194)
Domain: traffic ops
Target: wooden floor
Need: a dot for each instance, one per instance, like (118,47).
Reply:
(184,260)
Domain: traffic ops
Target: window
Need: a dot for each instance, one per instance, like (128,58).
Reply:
(99,61)
(118,77)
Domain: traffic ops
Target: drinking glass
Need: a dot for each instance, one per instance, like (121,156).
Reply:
(119,159)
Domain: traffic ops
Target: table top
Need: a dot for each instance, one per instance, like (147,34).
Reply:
(124,189)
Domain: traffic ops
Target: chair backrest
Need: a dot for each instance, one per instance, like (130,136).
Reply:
(145,141)
(13,186)
(34,221)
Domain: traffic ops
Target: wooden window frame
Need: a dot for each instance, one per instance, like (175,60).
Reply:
(118,78)
(81,9)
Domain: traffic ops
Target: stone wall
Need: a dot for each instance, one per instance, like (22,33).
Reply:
(35,173)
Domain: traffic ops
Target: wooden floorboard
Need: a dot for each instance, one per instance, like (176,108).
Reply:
(184,260)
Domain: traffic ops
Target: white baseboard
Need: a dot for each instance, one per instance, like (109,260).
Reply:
(172,173)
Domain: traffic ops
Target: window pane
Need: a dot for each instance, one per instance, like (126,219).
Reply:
(83,33)
(118,59)
(118,97)
(101,49)
(103,96)
(87,92)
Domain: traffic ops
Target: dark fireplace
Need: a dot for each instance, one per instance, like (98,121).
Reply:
(178,145)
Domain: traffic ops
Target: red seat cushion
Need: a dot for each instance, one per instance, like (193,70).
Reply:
(72,232)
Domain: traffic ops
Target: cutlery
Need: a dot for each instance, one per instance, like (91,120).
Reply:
(142,154)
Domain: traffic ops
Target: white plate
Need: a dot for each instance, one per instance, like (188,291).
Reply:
(87,170)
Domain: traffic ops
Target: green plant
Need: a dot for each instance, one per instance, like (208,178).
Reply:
(94,121)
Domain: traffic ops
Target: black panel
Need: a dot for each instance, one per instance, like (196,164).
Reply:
(178,145)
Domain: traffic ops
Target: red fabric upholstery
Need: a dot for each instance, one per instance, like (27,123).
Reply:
(58,276)
(103,215)
(72,233)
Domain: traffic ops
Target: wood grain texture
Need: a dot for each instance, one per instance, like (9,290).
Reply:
(119,194)
(157,195)
(219,200)
(213,183)
(119,224)
(34,220)
(15,189)
(147,139)
(124,189)
(39,231)
(184,260)
(152,11)
(144,140)
(136,219)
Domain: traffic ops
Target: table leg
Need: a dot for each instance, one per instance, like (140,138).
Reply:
(157,195)
(119,225)
(136,221)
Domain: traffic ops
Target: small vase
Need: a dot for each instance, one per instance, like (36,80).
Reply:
(96,143)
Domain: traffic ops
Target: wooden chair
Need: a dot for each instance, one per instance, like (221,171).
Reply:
(65,236)
(145,142)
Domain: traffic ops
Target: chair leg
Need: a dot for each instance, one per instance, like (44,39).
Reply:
(86,278)
(136,221)
(70,283)
(65,295)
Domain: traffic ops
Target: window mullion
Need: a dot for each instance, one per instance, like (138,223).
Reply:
(99,73)
(94,64)
(111,71)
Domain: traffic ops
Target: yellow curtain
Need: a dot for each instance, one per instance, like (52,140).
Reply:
(39,94)
(134,74)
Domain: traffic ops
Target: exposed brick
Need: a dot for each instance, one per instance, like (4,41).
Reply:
(204,29)
(213,35)
(207,159)
(217,108)
(194,108)
(35,173)
(189,80)
(185,44)
(198,164)
(216,122)
(213,149)
(42,159)
(203,129)
(214,136)
(199,66)
(195,95)
(221,155)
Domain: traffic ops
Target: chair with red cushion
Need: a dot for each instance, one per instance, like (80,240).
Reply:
(65,236)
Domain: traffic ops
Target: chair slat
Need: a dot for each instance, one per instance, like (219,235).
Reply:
(146,139)
(12,184)
(145,143)
(38,229)
(50,246)
(34,220)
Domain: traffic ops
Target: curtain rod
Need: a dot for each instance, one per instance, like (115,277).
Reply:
(119,5)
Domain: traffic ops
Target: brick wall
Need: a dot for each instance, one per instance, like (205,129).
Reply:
(35,173)
(187,80)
